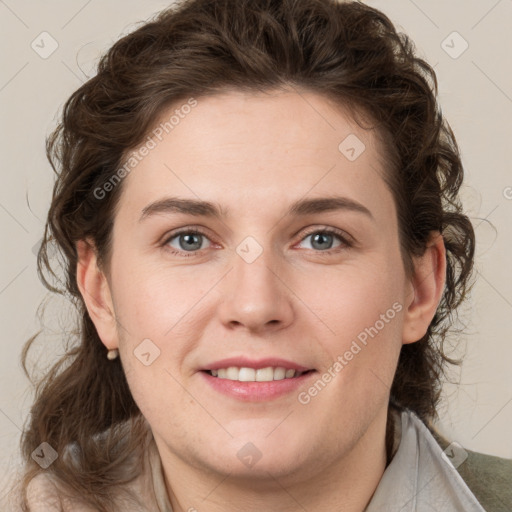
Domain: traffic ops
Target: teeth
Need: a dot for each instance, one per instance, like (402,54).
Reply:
(251,375)
(279,373)
(245,374)
(232,373)
(264,374)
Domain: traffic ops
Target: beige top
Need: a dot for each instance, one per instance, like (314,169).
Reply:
(419,478)
(149,488)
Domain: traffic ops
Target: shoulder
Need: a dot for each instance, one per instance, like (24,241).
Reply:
(44,495)
(490,480)
(488,477)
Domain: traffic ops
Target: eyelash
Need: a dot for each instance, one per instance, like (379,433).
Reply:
(345,242)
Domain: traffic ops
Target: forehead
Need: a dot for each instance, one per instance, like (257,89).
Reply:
(259,148)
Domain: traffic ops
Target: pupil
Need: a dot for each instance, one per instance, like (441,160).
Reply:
(189,241)
(320,238)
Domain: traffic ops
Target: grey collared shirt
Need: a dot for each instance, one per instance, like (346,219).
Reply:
(421,477)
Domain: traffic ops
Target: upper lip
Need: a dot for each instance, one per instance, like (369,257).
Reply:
(242,362)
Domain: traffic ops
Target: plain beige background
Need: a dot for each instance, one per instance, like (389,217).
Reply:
(476,97)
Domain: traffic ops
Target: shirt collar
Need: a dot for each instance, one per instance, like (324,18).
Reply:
(420,477)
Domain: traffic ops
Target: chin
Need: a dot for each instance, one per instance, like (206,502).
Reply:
(260,456)
(267,468)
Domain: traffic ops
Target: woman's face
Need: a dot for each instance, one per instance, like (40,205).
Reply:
(276,278)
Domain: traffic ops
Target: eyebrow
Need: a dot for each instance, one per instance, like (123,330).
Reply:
(214,210)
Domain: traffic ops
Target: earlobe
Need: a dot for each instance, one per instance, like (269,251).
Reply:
(425,289)
(95,290)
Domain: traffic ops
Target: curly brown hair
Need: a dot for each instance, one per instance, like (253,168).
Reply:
(346,51)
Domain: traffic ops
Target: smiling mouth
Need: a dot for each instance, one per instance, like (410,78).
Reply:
(244,374)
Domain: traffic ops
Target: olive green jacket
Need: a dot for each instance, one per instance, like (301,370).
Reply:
(488,477)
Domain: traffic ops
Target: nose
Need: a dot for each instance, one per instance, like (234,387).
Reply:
(256,296)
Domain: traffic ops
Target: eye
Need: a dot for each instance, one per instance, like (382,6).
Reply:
(191,241)
(322,240)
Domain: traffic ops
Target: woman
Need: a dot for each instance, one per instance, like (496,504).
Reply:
(226,360)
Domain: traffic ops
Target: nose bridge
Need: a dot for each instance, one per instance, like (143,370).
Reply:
(255,296)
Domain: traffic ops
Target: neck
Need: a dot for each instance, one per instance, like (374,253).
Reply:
(347,484)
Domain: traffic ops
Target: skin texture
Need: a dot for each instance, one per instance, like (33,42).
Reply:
(255,154)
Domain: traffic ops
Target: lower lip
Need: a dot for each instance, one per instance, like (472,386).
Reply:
(256,391)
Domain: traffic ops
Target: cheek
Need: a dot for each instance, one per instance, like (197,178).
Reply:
(151,369)
(157,328)
(151,301)
(354,297)
(361,308)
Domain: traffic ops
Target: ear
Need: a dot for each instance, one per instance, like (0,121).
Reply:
(425,289)
(95,290)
